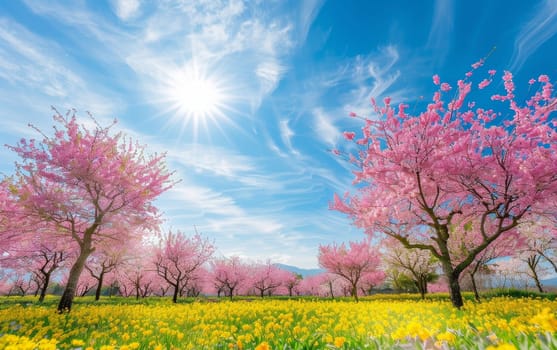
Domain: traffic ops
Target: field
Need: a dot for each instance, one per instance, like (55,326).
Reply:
(379,322)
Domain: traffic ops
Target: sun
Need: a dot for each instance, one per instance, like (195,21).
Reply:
(196,98)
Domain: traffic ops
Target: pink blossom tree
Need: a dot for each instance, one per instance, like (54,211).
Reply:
(138,277)
(350,263)
(371,280)
(101,263)
(265,278)
(178,258)
(541,239)
(506,245)
(85,284)
(38,255)
(291,281)
(228,274)
(86,182)
(13,221)
(331,284)
(323,284)
(421,176)
(418,265)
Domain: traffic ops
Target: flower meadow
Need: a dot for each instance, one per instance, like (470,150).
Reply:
(378,322)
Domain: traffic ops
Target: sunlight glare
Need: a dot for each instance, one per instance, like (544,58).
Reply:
(196,98)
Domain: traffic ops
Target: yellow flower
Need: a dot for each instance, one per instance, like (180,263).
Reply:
(339,342)
(545,320)
(77,342)
(446,337)
(503,346)
(263,346)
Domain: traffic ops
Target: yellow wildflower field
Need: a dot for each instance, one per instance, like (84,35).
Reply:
(262,324)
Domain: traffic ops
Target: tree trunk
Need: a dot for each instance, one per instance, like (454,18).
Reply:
(99,286)
(454,285)
(69,293)
(474,286)
(44,287)
(331,290)
(533,262)
(421,288)
(538,284)
(354,291)
(175,295)
(537,280)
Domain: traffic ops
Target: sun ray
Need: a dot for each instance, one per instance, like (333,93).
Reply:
(196,99)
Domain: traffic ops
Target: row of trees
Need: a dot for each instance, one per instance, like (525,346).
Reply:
(180,265)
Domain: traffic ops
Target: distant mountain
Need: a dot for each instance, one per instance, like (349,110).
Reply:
(300,271)
(550,282)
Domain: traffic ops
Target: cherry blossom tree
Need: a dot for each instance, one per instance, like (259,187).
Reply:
(13,222)
(423,177)
(89,183)
(138,277)
(330,284)
(178,258)
(370,280)
(322,284)
(418,265)
(228,274)
(508,273)
(85,284)
(350,263)
(291,281)
(101,263)
(541,239)
(265,278)
(508,244)
(38,255)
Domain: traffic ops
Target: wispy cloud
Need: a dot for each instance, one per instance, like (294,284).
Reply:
(355,82)
(324,128)
(307,14)
(126,9)
(269,74)
(439,39)
(40,75)
(212,159)
(541,27)
(203,199)
(286,135)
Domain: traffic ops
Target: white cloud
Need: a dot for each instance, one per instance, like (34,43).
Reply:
(30,65)
(286,135)
(325,128)
(40,74)
(541,27)
(202,200)
(213,159)
(439,39)
(269,74)
(126,9)
(307,14)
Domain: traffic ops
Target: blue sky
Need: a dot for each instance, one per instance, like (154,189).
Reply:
(247,98)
